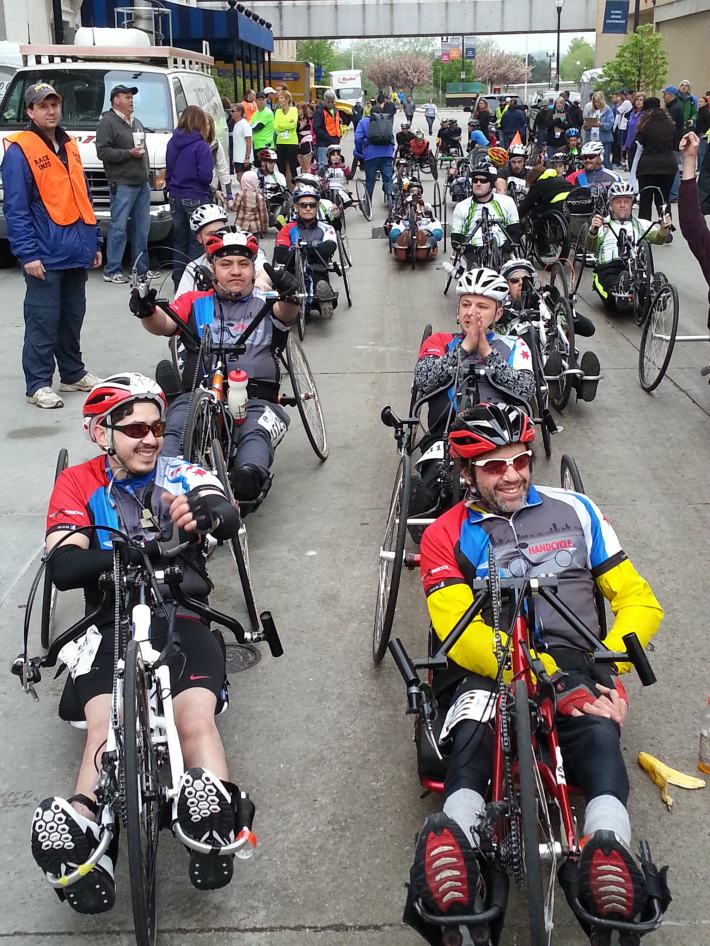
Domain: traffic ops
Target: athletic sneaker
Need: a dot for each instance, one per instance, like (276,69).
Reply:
(611,882)
(115,278)
(62,840)
(445,874)
(45,398)
(85,383)
(206,813)
(326,297)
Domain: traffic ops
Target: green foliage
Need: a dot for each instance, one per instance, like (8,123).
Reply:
(443,72)
(578,58)
(321,52)
(640,64)
(225,86)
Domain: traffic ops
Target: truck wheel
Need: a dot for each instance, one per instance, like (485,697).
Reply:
(7,259)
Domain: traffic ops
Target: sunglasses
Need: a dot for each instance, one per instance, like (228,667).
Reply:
(308,206)
(138,431)
(520,462)
(480,180)
(515,280)
(590,157)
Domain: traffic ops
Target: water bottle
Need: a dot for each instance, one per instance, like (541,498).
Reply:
(237,395)
(704,752)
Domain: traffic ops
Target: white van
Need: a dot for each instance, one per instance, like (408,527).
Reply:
(167,79)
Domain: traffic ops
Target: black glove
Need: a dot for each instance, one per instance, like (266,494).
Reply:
(283,282)
(202,512)
(142,301)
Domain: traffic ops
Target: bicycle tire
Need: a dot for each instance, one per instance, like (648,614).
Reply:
(301,290)
(580,257)
(238,544)
(49,589)
(548,223)
(363,199)
(345,240)
(390,569)
(561,391)
(413,235)
(540,398)
(199,430)
(570,477)
(657,327)
(528,803)
(344,271)
(447,189)
(142,798)
(642,294)
(307,399)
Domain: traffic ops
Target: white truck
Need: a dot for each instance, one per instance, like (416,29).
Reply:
(347,85)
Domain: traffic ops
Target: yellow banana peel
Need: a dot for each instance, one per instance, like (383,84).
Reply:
(663,775)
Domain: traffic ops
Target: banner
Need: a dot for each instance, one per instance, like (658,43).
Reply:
(616,16)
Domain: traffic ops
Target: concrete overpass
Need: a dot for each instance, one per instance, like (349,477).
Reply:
(364,19)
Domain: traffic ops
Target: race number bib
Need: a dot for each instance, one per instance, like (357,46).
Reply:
(476,705)
(273,425)
(78,655)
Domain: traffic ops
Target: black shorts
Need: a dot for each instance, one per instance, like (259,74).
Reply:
(199,662)
(287,157)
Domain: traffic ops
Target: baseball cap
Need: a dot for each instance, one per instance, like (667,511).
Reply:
(38,92)
(261,95)
(118,89)
(268,90)
(671,89)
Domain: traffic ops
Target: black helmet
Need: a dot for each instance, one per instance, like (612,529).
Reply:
(487,426)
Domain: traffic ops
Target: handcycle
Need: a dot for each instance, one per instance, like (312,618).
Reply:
(487,253)
(546,236)
(452,150)
(278,202)
(529,831)
(304,279)
(141,766)
(405,210)
(581,205)
(337,195)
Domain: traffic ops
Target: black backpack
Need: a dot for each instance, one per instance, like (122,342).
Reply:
(380,130)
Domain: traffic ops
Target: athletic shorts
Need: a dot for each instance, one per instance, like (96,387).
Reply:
(200,662)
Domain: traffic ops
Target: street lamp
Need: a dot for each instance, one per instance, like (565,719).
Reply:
(559,4)
(549,57)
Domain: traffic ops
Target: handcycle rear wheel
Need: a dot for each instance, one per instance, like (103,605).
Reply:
(49,590)
(303,302)
(363,199)
(344,270)
(540,398)
(658,337)
(437,201)
(550,233)
(305,394)
(580,257)
(561,390)
(391,559)
(529,802)
(570,477)
(142,797)
(642,293)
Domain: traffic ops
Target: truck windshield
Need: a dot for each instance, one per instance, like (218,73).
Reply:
(349,95)
(85,95)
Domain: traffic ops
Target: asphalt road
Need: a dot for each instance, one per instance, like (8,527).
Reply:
(319,738)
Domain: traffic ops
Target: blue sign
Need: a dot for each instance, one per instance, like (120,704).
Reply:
(319,73)
(470,52)
(616,16)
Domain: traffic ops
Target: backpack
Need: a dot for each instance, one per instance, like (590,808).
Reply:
(380,130)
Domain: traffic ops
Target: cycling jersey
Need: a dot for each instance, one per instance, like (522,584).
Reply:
(605,245)
(291,233)
(419,147)
(602,176)
(557,532)
(470,211)
(260,361)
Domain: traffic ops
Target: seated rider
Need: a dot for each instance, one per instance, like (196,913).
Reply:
(467,213)
(449,136)
(206,220)
(593,170)
(419,145)
(546,189)
(512,173)
(404,139)
(226,310)
(138,487)
(271,183)
(335,175)
(572,146)
(523,294)
(611,276)
(493,447)
(476,139)
(322,244)
(428,229)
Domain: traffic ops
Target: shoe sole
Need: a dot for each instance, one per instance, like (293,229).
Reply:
(588,389)
(617,869)
(451,853)
(46,407)
(204,812)
(56,838)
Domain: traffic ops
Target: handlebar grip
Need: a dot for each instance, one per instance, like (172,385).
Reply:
(638,658)
(401,658)
(388,417)
(271,635)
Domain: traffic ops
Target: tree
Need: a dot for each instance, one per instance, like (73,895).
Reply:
(443,72)
(540,67)
(500,68)
(578,58)
(641,63)
(400,72)
(321,52)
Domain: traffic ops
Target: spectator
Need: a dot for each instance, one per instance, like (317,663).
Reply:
(657,165)
(603,127)
(229,115)
(634,116)
(689,103)
(621,123)
(262,124)
(242,139)
(690,212)
(252,213)
(326,126)
(249,104)
(52,231)
(484,117)
(271,97)
(702,126)
(285,129)
(378,155)
(674,107)
(305,136)
(430,114)
(221,174)
(408,107)
(542,120)
(188,174)
(557,126)
(120,145)
(574,111)
(513,122)
(356,115)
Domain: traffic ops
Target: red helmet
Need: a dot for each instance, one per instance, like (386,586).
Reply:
(266,154)
(226,243)
(117,391)
(488,426)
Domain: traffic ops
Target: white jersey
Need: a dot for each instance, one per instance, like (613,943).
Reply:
(468,212)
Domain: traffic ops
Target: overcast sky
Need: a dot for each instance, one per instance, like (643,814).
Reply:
(538,42)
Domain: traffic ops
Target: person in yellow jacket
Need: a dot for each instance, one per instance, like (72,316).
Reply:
(286,133)
(531,530)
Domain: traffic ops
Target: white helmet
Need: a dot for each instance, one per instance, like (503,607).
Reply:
(310,180)
(304,190)
(592,147)
(119,390)
(515,265)
(331,148)
(207,213)
(620,189)
(517,151)
(482,282)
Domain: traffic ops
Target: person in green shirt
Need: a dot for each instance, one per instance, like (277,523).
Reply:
(285,125)
(262,123)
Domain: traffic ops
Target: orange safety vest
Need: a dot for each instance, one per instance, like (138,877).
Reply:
(62,189)
(332,124)
(249,109)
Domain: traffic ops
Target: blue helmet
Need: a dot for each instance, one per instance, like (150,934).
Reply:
(572,133)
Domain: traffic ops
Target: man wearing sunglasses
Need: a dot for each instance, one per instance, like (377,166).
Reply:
(133,486)
(533,530)
(593,170)
(501,209)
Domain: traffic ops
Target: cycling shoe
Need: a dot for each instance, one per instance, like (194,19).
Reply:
(611,882)
(591,368)
(248,481)
(63,840)
(445,874)
(205,813)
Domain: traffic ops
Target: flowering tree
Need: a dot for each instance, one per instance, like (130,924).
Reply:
(400,72)
(497,67)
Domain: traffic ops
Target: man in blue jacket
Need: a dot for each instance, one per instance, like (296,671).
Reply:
(53,232)
(376,152)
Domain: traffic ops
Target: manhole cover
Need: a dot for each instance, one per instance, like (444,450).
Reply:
(241,657)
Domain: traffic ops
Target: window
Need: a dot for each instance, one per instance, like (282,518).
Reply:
(180,100)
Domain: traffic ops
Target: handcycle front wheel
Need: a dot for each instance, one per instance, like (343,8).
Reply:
(200,430)
(305,394)
(363,199)
(49,590)
(342,256)
(541,396)
(391,559)
(303,301)
(570,477)
(642,292)
(658,337)
(142,797)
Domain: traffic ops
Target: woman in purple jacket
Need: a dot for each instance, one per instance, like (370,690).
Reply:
(188,175)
